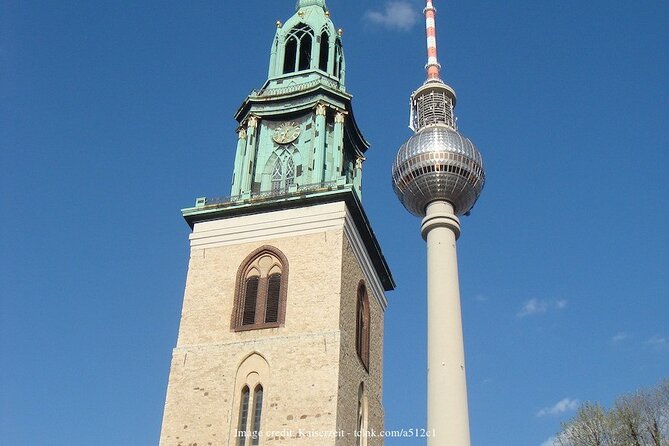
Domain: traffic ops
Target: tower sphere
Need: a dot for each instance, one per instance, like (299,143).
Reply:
(438,163)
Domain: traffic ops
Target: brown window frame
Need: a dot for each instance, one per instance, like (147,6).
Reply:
(237,322)
(362,325)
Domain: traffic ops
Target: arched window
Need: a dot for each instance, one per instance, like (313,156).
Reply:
(290,55)
(243,433)
(298,49)
(260,295)
(362,326)
(305,52)
(243,416)
(249,404)
(339,59)
(324,52)
(257,412)
(283,172)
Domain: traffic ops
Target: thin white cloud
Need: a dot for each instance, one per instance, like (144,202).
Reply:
(533,306)
(658,342)
(481,298)
(562,406)
(397,14)
(550,442)
(620,337)
(539,306)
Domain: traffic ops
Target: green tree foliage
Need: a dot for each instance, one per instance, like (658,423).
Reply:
(638,419)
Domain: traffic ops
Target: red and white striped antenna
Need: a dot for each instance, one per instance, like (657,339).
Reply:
(433,68)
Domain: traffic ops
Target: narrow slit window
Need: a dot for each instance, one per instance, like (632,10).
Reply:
(257,413)
(243,417)
(339,59)
(361,424)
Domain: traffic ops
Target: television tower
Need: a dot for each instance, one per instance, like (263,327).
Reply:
(438,175)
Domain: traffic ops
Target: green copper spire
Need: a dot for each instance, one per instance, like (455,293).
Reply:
(304,3)
(297,132)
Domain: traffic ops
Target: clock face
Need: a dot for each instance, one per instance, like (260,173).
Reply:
(286,132)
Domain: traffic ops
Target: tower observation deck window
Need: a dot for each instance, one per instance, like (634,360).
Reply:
(297,55)
(261,291)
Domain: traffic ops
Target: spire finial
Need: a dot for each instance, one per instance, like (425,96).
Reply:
(433,68)
(304,3)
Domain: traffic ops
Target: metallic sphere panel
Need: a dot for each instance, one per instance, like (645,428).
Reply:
(438,163)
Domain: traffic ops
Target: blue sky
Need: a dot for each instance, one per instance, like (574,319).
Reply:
(115,115)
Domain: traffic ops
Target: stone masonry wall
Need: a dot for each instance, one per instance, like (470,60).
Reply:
(311,382)
(351,370)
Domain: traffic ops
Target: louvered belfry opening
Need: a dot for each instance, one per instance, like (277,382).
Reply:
(250,299)
(273,297)
(261,291)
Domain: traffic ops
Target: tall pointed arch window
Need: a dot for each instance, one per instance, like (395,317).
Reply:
(297,54)
(261,291)
(283,172)
(243,416)
(324,52)
(257,414)
(339,59)
(290,55)
(249,403)
(248,428)
(362,326)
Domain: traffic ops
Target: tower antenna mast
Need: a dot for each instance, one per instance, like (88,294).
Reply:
(433,68)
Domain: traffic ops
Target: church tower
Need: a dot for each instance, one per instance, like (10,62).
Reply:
(281,332)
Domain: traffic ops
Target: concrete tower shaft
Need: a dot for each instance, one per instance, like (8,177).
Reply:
(447,409)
